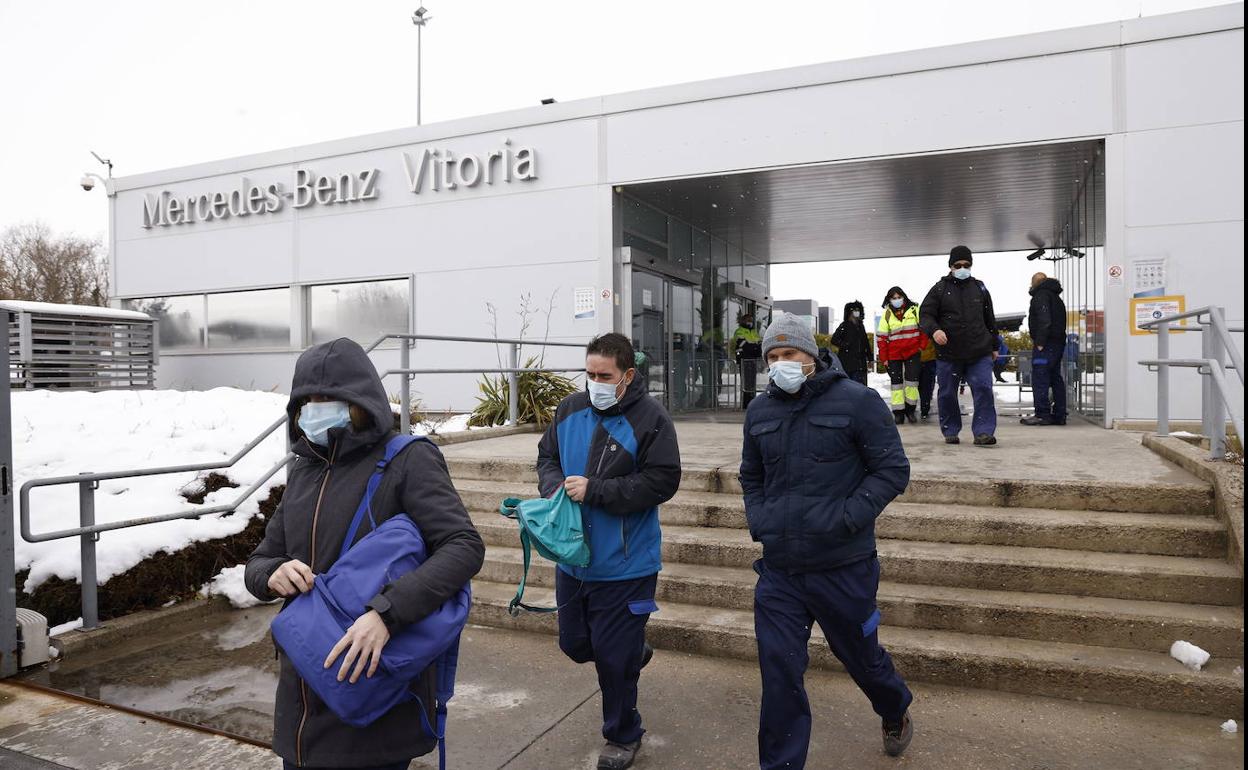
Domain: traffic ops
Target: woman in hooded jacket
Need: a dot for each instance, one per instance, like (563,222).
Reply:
(850,339)
(340,421)
(900,343)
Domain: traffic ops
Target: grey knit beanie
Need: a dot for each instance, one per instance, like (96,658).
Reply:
(789,331)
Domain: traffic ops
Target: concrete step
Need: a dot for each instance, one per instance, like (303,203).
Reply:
(1081,672)
(1161,534)
(1173,497)
(990,567)
(1095,621)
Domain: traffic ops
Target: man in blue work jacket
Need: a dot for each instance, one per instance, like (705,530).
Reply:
(613,449)
(820,460)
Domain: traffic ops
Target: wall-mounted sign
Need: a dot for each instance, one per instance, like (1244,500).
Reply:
(1148,277)
(583,308)
(164,209)
(437,169)
(1145,309)
(1115,275)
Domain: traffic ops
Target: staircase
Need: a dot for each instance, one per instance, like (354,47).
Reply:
(1067,590)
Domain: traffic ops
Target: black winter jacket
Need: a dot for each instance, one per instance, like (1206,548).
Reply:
(1046,319)
(850,339)
(323,488)
(963,310)
(817,468)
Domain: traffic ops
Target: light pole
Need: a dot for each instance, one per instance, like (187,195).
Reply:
(419,18)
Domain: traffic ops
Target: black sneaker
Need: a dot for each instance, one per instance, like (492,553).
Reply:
(910,415)
(899,417)
(618,756)
(952,440)
(896,736)
(647,652)
(1036,419)
(924,417)
(984,439)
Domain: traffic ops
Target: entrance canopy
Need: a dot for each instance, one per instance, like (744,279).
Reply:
(1005,199)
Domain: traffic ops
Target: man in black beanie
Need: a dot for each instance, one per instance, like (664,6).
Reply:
(957,314)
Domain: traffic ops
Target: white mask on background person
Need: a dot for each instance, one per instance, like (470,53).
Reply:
(603,394)
(897,303)
(317,418)
(788,375)
(962,273)
(855,315)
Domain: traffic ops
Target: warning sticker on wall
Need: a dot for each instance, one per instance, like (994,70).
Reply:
(1145,309)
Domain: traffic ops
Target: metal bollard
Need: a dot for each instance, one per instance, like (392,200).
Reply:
(1163,380)
(405,389)
(513,385)
(86,518)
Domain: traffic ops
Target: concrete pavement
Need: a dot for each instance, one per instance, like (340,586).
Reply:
(521,705)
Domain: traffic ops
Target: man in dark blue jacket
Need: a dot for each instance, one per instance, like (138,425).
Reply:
(1046,320)
(614,450)
(820,460)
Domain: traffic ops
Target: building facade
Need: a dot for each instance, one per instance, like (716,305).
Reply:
(1117,149)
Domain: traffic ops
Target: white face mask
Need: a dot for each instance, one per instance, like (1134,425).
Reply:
(855,315)
(788,375)
(317,418)
(897,303)
(603,394)
(962,273)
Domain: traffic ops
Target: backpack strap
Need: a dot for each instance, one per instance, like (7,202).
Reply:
(508,509)
(445,668)
(395,445)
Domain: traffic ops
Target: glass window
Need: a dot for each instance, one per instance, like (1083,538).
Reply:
(682,244)
(645,221)
(249,319)
(362,311)
(181,319)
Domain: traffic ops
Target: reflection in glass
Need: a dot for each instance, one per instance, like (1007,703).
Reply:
(249,319)
(181,319)
(362,311)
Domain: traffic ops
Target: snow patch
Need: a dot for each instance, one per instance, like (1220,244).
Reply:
(1230,726)
(65,433)
(72,625)
(229,583)
(1189,655)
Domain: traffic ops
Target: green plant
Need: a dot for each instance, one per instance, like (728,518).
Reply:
(539,396)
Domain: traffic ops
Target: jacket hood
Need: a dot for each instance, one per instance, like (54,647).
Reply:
(904,296)
(851,307)
(1048,284)
(340,370)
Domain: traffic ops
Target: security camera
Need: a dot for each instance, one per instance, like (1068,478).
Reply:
(87,182)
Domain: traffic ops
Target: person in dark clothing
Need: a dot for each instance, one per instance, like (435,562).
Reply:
(853,347)
(900,343)
(927,379)
(1002,360)
(340,421)
(957,313)
(614,450)
(821,458)
(1046,319)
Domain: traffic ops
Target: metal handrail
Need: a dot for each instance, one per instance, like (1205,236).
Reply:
(1211,366)
(88,531)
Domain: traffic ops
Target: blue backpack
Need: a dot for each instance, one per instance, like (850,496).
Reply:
(312,623)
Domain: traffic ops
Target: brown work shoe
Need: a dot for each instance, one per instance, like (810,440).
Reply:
(897,736)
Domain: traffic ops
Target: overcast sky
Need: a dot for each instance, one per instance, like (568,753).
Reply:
(155,85)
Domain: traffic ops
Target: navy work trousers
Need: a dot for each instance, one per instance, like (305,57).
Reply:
(927,384)
(605,622)
(842,601)
(1046,372)
(977,374)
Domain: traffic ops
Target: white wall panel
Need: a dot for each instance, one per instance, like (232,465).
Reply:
(228,257)
(1182,175)
(1184,81)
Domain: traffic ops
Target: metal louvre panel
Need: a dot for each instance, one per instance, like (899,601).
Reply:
(81,352)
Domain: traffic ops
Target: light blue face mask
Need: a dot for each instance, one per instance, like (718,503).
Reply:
(962,273)
(788,375)
(897,303)
(316,418)
(602,394)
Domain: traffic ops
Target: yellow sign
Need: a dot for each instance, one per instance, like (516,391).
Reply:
(1145,309)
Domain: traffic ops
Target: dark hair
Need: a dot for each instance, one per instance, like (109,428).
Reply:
(613,345)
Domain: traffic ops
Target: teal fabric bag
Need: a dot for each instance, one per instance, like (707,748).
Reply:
(553,526)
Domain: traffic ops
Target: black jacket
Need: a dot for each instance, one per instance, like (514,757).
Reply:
(850,339)
(630,455)
(1046,319)
(323,488)
(817,468)
(963,310)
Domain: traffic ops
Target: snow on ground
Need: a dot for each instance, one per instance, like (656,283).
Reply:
(229,583)
(1189,655)
(62,628)
(66,433)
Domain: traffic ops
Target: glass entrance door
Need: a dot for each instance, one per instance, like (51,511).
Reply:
(667,330)
(650,331)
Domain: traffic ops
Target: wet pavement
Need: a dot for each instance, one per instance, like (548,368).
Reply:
(521,705)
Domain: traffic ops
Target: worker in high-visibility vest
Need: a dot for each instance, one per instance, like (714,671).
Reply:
(747,348)
(900,343)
